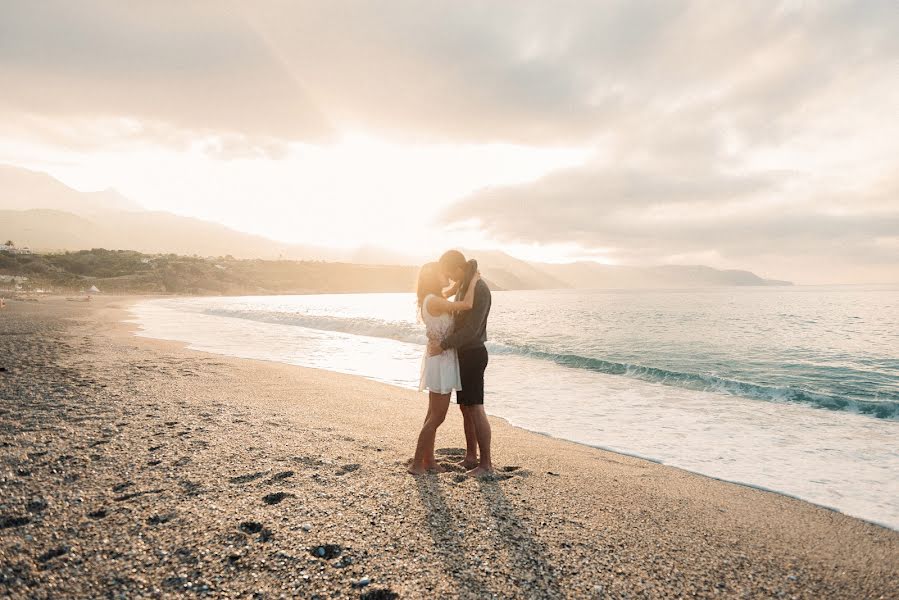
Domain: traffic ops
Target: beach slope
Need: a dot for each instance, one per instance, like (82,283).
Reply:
(136,468)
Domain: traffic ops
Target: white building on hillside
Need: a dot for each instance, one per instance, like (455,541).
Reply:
(13,250)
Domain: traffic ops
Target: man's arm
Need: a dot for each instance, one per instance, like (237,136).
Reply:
(476,318)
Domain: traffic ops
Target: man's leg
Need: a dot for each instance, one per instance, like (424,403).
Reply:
(471,438)
(483,433)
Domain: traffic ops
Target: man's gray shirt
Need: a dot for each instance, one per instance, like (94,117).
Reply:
(470,329)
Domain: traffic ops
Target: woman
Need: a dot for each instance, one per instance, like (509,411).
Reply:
(440,373)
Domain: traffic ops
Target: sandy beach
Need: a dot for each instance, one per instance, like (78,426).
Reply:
(137,468)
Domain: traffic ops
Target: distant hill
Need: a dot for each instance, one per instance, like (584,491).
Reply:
(21,189)
(513,274)
(39,211)
(591,275)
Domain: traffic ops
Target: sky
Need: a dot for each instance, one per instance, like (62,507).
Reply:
(757,135)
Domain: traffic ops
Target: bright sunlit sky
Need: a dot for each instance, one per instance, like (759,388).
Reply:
(759,135)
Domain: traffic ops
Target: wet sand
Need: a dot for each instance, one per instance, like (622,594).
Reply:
(137,468)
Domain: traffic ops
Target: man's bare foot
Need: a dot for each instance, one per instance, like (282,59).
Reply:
(480,471)
(416,470)
(435,468)
(470,463)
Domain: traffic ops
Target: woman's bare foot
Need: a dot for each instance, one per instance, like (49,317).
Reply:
(480,471)
(417,470)
(437,469)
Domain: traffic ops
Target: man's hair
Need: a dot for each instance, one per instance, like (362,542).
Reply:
(452,259)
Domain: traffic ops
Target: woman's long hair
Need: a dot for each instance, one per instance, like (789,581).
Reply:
(429,282)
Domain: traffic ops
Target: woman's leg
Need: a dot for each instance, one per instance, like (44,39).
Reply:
(424,451)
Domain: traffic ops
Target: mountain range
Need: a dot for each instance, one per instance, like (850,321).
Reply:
(40,211)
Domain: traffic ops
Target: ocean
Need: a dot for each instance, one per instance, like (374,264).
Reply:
(790,389)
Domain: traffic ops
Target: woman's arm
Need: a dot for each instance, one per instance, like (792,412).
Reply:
(439,306)
(452,290)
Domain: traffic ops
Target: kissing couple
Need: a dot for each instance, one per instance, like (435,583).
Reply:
(455,358)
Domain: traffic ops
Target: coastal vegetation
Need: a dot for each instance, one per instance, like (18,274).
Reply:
(126,271)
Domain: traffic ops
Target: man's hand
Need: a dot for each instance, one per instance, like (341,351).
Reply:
(434,348)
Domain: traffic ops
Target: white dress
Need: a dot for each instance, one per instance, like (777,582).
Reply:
(439,373)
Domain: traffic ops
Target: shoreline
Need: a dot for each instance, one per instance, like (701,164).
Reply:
(564,520)
(138,331)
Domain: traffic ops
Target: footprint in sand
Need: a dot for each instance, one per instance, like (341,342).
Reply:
(190,488)
(449,467)
(450,451)
(160,519)
(98,514)
(250,527)
(275,498)
(124,497)
(280,476)
(248,477)
(379,594)
(37,505)
(347,469)
(8,521)
(120,487)
(326,551)
(52,553)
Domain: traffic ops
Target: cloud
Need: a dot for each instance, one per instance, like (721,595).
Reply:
(524,72)
(168,70)
(646,217)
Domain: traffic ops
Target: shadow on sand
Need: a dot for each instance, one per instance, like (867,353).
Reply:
(447,540)
(527,555)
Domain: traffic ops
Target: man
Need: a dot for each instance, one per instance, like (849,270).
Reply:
(468,338)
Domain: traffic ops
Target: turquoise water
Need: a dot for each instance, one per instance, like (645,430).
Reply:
(791,389)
